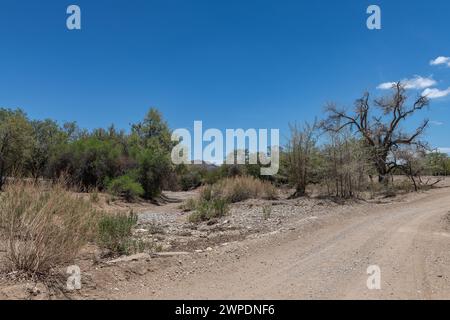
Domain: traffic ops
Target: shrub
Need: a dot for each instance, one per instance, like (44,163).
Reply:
(125,187)
(239,189)
(115,233)
(189,205)
(190,180)
(154,167)
(207,210)
(43,227)
(214,200)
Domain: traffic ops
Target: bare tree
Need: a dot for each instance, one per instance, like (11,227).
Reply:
(345,166)
(380,125)
(299,151)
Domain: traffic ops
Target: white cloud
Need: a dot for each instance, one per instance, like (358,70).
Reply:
(444,150)
(440,60)
(417,82)
(437,123)
(433,93)
(386,85)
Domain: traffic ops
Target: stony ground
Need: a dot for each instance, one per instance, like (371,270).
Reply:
(304,248)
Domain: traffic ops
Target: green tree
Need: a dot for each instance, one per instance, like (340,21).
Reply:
(15,138)
(150,146)
(153,168)
(47,138)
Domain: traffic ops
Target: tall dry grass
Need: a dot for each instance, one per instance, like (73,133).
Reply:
(43,227)
(239,189)
(214,200)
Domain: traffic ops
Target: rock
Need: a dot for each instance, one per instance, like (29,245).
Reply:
(209,249)
(134,257)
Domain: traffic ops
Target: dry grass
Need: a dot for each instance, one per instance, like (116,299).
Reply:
(43,227)
(214,200)
(240,189)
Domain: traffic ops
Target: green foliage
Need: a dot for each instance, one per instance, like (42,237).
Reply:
(15,142)
(207,210)
(115,233)
(125,187)
(150,146)
(191,180)
(189,205)
(88,160)
(437,164)
(214,200)
(153,130)
(153,167)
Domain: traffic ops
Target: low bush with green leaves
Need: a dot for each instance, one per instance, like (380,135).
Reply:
(213,200)
(207,210)
(126,187)
(115,234)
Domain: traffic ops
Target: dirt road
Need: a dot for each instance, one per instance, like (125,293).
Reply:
(328,259)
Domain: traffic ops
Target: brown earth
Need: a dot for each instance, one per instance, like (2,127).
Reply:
(306,249)
(325,257)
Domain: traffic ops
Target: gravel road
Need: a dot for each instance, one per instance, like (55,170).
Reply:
(326,259)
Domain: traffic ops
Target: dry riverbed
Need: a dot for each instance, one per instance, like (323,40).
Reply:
(294,249)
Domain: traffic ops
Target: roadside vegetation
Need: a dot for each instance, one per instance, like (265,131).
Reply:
(115,234)
(214,200)
(44,222)
(43,226)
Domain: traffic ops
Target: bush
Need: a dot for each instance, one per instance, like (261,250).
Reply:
(189,205)
(240,189)
(214,200)
(126,187)
(115,233)
(154,167)
(42,227)
(190,180)
(207,210)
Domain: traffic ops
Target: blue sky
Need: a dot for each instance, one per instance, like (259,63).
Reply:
(231,64)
